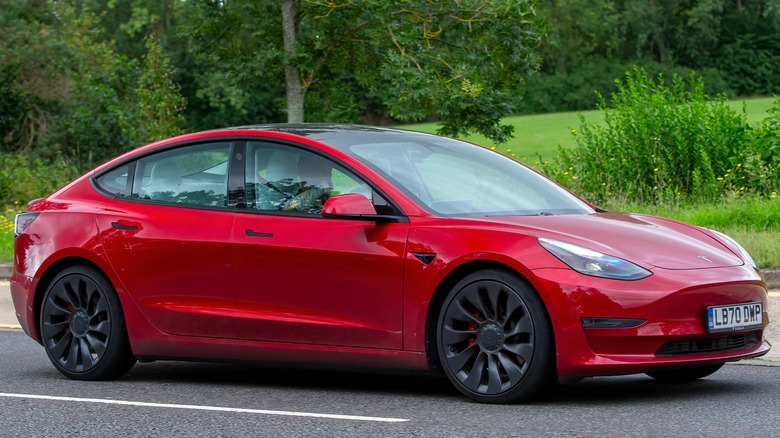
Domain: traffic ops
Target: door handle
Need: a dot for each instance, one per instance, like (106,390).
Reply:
(253,233)
(124,225)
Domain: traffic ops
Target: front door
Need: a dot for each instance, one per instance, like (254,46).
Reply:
(302,278)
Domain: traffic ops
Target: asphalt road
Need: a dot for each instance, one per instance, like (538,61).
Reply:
(191,399)
(197,399)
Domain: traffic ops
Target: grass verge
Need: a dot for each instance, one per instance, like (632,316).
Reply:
(7,235)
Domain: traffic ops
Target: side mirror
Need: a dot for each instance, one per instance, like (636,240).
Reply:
(350,204)
(356,207)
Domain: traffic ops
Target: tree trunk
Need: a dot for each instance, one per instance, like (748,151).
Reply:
(292,76)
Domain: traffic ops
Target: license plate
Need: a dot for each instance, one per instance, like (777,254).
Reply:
(735,317)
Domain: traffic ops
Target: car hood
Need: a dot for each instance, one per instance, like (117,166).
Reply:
(647,240)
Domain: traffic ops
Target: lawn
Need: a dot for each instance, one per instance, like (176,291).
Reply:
(539,135)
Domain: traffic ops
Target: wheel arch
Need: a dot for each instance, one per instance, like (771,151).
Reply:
(48,277)
(444,288)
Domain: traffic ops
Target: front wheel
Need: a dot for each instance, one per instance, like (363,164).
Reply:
(495,339)
(684,374)
(83,328)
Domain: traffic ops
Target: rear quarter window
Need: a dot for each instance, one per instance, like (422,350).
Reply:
(115,182)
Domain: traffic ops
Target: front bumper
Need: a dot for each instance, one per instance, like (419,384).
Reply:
(672,305)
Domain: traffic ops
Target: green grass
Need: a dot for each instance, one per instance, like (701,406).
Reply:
(536,135)
(539,135)
(7,235)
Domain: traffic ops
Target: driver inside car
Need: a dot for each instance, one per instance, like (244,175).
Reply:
(316,186)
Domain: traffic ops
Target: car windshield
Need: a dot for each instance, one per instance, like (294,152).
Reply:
(454,178)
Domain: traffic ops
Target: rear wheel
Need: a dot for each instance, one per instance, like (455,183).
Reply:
(82,326)
(685,374)
(494,338)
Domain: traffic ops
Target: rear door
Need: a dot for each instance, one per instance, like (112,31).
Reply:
(170,243)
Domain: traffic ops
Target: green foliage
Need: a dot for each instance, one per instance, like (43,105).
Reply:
(159,104)
(733,44)
(556,91)
(460,62)
(7,233)
(32,79)
(765,151)
(744,212)
(232,67)
(66,86)
(67,94)
(12,106)
(23,178)
(661,142)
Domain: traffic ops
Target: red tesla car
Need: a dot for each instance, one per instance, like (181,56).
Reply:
(372,247)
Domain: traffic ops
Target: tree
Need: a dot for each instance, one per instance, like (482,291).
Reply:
(30,87)
(462,62)
(159,105)
(64,84)
(733,44)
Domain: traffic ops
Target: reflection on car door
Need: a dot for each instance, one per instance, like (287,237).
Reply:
(319,281)
(307,279)
(175,262)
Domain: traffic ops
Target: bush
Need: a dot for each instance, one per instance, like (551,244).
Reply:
(23,179)
(762,169)
(660,143)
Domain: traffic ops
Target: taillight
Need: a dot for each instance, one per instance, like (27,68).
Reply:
(22,221)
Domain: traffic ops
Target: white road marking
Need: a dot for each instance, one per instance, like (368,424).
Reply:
(205,408)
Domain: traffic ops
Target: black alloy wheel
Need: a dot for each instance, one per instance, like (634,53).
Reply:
(682,375)
(82,326)
(494,338)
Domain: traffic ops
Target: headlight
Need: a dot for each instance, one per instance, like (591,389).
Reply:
(589,262)
(742,252)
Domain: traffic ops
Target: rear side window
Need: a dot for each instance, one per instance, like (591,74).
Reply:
(115,182)
(193,175)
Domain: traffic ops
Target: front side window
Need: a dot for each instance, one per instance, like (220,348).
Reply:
(194,175)
(281,178)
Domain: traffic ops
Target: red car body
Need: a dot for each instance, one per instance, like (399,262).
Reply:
(216,283)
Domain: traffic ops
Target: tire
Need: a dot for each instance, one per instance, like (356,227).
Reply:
(683,375)
(494,338)
(82,326)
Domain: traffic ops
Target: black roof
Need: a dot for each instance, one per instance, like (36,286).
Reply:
(341,135)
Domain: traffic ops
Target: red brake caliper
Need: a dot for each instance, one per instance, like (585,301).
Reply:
(473,328)
(67,318)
